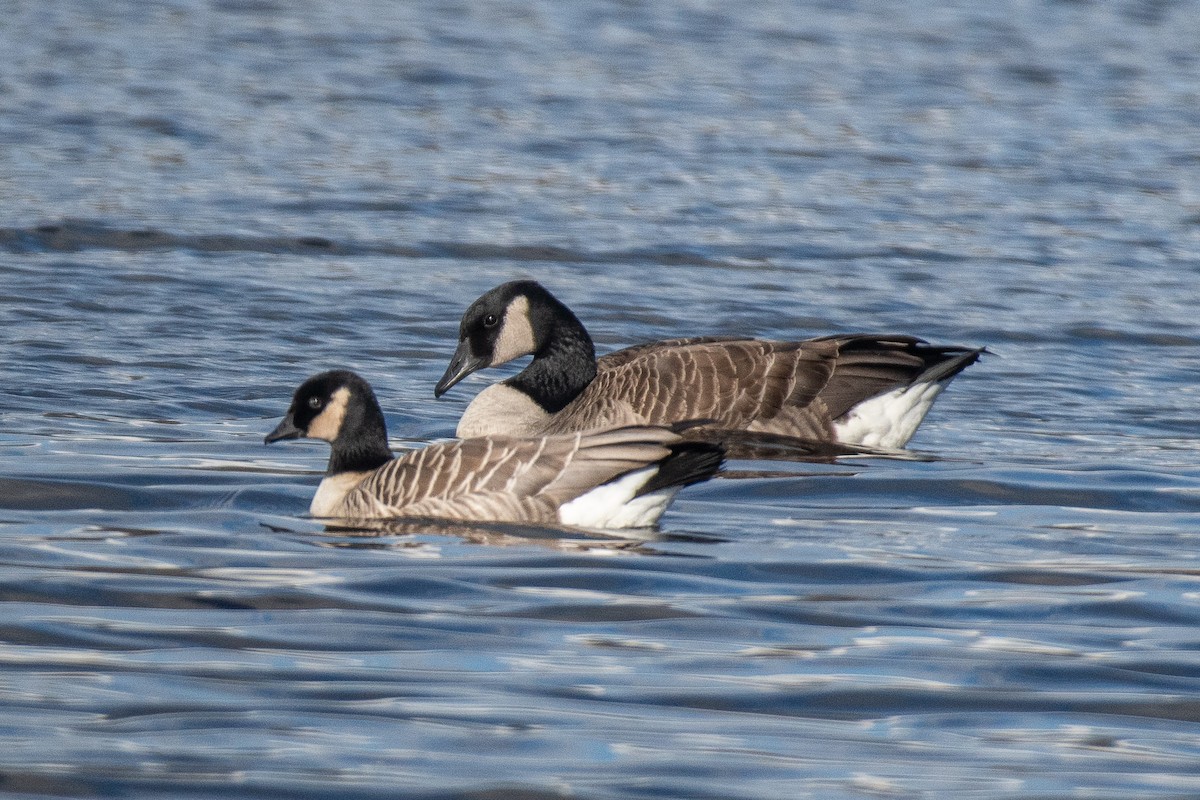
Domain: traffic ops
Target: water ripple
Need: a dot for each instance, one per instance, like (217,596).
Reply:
(207,202)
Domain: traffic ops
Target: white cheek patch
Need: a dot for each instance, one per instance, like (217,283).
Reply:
(516,333)
(328,424)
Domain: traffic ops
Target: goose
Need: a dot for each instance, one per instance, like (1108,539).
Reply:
(620,478)
(856,390)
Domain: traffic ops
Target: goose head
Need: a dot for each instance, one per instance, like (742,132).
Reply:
(515,319)
(338,407)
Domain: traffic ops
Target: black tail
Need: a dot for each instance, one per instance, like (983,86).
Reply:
(688,463)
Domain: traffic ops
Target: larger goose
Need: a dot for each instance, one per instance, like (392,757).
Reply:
(855,389)
(620,478)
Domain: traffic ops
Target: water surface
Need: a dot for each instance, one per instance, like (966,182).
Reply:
(205,203)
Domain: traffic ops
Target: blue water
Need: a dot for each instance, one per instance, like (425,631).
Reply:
(205,203)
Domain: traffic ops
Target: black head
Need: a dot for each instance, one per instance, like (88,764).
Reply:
(338,407)
(514,319)
(318,409)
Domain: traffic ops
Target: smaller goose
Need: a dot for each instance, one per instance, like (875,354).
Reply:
(621,478)
(855,390)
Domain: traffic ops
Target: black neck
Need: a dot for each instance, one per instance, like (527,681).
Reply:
(366,447)
(563,367)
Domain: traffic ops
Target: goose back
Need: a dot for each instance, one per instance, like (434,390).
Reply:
(734,383)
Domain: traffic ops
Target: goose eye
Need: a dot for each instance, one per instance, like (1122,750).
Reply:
(315,403)
(490,321)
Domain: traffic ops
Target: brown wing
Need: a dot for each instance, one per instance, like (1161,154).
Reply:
(860,366)
(627,354)
(737,383)
(502,478)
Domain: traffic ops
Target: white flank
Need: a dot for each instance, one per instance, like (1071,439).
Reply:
(613,505)
(887,420)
